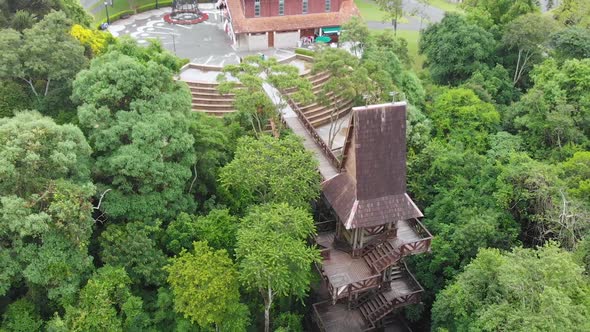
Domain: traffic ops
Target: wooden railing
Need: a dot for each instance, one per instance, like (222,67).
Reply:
(411,298)
(338,293)
(405,249)
(318,318)
(316,137)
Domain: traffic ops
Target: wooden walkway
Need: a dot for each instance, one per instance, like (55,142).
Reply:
(326,168)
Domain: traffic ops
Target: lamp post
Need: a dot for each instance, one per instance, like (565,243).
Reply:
(106,7)
(157,6)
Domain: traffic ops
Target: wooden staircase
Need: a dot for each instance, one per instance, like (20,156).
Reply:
(206,98)
(319,114)
(382,256)
(380,305)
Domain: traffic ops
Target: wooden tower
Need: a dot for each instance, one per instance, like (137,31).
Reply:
(377,226)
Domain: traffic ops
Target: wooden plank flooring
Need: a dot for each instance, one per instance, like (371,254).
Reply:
(341,269)
(325,166)
(337,318)
(405,234)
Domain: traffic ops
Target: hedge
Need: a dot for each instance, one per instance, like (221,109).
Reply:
(304,51)
(151,6)
(116,16)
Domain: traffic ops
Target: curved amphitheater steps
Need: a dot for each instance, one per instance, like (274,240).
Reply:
(317,113)
(206,98)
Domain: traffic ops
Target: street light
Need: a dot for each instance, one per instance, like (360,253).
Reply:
(106,7)
(157,4)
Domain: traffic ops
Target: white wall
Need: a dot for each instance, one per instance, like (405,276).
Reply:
(258,42)
(286,39)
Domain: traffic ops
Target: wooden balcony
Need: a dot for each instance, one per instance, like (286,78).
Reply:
(343,274)
(412,238)
(400,292)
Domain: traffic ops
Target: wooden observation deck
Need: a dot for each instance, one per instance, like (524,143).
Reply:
(377,222)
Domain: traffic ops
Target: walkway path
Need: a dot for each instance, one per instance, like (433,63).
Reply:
(326,168)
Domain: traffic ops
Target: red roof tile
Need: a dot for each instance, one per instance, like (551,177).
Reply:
(241,24)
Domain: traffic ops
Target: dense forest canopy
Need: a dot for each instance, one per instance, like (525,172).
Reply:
(122,210)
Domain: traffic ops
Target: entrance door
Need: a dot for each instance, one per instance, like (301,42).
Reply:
(271,39)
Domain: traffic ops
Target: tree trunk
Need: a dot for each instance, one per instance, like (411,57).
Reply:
(267,295)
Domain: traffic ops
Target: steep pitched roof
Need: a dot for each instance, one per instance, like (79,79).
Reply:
(241,24)
(371,191)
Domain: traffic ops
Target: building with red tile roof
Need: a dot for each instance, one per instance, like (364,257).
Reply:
(261,24)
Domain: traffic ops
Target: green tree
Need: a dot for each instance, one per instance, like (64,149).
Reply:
(270,170)
(573,12)
(524,290)
(529,35)
(357,33)
(251,98)
(503,11)
(571,43)
(44,54)
(347,81)
(576,173)
(460,115)
(105,304)
(12,98)
(45,210)
(455,49)
(21,316)
(137,121)
(274,258)
(134,247)
(394,11)
(554,116)
(205,287)
(218,228)
(493,85)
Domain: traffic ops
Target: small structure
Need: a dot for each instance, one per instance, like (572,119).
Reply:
(185,12)
(365,278)
(257,25)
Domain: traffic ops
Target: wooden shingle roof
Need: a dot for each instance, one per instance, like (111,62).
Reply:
(371,189)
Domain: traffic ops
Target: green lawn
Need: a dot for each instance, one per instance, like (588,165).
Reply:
(371,12)
(118,6)
(446,6)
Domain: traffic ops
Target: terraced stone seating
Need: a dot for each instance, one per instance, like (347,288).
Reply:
(320,114)
(206,98)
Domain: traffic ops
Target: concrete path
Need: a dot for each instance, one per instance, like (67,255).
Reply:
(204,43)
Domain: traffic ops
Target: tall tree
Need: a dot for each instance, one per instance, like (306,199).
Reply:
(357,33)
(136,117)
(528,35)
(270,170)
(273,255)
(571,43)
(503,11)
(44,54)
(45,209)
(459,115)
(253,76)
(348,81)
(455,49)
(105,304)
(134,246)
(573,12)
(394,11)
(205,287)
(525,290)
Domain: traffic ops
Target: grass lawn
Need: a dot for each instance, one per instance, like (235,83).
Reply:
(118,6)
(446,6)
(371,12)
